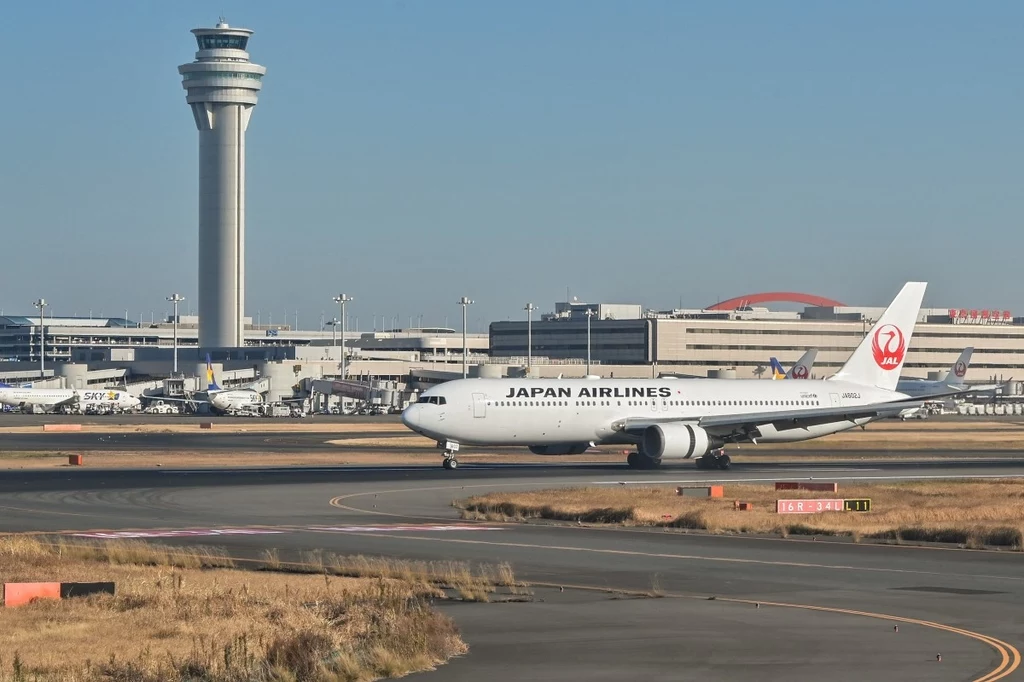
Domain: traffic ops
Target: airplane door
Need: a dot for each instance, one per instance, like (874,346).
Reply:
(479,406)
(836,402)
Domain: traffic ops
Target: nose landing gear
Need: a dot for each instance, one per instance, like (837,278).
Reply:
(450,447)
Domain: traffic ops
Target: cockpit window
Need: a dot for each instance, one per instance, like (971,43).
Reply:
(432,399)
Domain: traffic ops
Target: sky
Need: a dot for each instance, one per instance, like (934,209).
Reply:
(408,153)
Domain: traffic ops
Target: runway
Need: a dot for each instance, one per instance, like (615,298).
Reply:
(964,605)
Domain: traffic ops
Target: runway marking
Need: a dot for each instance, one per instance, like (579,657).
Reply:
(711,559)
(1009,655)
(908,477)
(190,533)
(156,533)
(400,528)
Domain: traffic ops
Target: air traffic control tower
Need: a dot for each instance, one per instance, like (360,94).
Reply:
(222,88)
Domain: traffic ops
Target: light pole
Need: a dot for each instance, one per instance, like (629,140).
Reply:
(41,304)
(342,299)
(465,303)
(175,299)
(334,330)
(529,337)
(589,313)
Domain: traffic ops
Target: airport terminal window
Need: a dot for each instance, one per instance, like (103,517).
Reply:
(222,42)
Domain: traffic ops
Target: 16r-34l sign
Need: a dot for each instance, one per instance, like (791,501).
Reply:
(821,505)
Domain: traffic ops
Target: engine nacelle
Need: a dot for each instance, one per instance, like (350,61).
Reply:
(675,440)
(560,449)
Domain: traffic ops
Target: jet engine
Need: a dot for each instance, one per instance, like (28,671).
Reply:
(560,449)
(676,440)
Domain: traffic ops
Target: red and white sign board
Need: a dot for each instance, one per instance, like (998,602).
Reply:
(808,506)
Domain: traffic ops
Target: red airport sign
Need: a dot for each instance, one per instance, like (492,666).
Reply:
(808,506)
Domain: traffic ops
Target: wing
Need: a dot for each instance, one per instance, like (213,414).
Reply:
(746,426)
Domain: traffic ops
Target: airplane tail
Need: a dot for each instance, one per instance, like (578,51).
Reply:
(878,359)
(958,371)
(802,368)
(211,382)
(777,371)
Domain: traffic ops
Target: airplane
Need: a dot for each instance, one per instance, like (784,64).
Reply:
(953,383)
(671,418)
(69,400)
(233,401)
(801,370)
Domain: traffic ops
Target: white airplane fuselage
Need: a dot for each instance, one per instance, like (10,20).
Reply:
(573,411)
(235,400)
(923,388)
(51,398)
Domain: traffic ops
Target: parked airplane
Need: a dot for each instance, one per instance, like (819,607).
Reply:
(231,401)
(673,418)
(67,399)
(226,400)
(954,381)
(801,370)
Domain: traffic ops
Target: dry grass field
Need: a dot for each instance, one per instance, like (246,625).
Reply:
(182,614)
(971,513)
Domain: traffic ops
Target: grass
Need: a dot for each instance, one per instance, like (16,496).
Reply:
(971,513)
(20,454)
(181,614)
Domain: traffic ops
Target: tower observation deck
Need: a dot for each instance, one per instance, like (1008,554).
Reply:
(222,87)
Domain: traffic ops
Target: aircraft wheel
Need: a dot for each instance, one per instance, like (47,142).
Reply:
(724,462)
(633,460)
(451,463)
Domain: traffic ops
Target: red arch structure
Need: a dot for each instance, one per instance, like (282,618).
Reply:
(775,297)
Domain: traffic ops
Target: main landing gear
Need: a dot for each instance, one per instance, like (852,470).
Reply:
(716,459)
(638,460)
(450,447)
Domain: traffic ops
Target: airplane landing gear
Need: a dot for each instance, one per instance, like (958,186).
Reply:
(638,460)
(450,447)
(716,459)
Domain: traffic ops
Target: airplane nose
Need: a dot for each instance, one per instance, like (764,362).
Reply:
(410,417)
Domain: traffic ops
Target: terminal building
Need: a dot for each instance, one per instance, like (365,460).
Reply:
(737,338)
(734,339)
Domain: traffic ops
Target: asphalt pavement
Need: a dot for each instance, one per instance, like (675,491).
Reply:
(732,607)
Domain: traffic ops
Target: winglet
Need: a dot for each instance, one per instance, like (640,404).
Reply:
(878,359)
(958,371)
(211,382)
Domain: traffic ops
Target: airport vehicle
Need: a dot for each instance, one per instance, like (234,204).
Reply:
(800,370)
(673,418)
(160,407)
(69,400)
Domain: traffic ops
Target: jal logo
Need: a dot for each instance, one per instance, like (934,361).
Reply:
(889,347)
(800,372)
(960,370)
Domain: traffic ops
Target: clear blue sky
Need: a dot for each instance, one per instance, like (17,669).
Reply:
(411,152)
